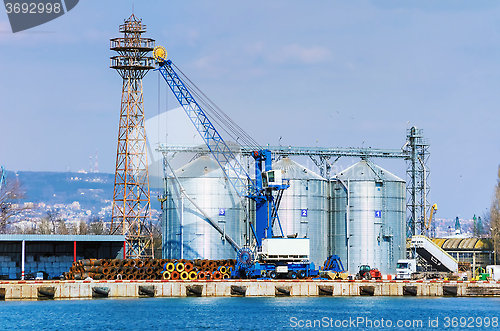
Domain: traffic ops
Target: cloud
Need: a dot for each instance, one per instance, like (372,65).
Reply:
(5,27)
(211,65)
(297,53)
(254,49)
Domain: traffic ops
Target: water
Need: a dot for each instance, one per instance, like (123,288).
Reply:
(298,313)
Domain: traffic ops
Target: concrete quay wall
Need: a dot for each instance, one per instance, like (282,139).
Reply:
(33,290)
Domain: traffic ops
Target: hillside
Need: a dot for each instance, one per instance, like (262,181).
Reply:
(92,190)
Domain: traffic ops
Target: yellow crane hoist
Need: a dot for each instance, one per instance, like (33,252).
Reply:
(433,209)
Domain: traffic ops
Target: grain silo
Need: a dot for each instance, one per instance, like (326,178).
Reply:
(367,217)
(186,233)
(304,208)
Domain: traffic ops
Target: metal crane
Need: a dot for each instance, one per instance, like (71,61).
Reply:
(2,177)
(433,210)
(266,180)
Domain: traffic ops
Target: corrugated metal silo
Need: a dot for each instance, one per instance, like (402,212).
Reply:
(304,208)
(206,184)
(367,219)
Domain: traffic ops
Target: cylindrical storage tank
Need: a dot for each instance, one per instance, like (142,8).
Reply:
(186,232)
(304,208)
(367,217)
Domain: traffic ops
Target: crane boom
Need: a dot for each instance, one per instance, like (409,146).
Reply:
(265,206)
(433,209)
(242,183)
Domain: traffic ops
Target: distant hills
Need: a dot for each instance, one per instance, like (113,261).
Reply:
(92,190)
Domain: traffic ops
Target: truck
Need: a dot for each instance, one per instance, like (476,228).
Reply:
(278,258)
(406,269)
(442,262)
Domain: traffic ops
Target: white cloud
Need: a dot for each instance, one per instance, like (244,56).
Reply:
(298,53)
(5,27)
(209,64)
(255,49)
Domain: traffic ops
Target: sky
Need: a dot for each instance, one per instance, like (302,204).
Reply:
(315,73)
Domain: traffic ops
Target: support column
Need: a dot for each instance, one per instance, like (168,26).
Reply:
(74,251)
(124,250)
(23,258)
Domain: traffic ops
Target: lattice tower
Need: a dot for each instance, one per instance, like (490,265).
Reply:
(417,184)
(131,200)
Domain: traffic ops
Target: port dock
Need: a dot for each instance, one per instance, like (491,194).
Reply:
(37,290)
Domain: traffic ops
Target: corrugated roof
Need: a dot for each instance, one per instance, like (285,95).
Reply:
(484,244)
(204,166)
(466,244)
(363,172)
(439,241)
(56,237)
(293,170)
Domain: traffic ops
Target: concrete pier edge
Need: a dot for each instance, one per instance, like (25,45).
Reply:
(33,290)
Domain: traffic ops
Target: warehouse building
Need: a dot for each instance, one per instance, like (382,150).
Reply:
(53,254)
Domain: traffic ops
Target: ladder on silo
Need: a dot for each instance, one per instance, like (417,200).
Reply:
(387,234)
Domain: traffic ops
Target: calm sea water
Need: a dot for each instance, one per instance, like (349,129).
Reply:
(314,313)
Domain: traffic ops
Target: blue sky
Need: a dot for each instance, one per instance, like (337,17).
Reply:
(317,73)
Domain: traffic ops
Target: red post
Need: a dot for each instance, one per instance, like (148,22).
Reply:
(74,251)
(124,250)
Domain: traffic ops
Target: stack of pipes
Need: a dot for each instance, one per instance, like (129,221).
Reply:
(149,269)
(198,269)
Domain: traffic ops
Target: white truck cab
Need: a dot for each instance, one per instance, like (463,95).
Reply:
(405,268)
(494,271)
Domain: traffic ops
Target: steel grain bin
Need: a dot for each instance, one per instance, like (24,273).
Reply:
(304,208)
(186,233)
(367,217)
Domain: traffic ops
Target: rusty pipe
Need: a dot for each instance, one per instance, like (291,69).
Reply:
(188,266)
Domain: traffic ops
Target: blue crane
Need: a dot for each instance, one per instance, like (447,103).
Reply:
(266,180)
(277,256)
